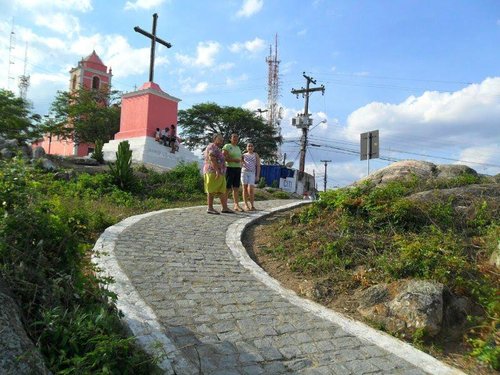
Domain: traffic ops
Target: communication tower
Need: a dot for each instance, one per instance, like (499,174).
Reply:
(273,89)
(24,80)
(12,41)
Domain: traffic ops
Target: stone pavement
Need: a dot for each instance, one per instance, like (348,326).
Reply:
(190,294)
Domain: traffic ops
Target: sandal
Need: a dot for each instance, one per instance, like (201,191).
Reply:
(213,212)
(228,211)
(238,208)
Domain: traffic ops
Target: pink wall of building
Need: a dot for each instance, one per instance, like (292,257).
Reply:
(145,110)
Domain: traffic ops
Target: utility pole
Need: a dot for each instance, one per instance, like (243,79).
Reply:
(326,164)
(305,122)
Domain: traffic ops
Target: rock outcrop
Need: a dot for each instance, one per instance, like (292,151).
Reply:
(18,354)
(421,169)
(410,305)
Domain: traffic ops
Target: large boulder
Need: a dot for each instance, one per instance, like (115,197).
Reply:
(404,306)
(468,202)
(38,152)
(18,354)
(423,170)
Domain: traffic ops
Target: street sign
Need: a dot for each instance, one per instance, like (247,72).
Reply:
(369,145)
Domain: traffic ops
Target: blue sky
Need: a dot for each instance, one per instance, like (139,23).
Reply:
(425,73)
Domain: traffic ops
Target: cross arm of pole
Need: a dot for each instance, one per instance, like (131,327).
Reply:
(303,90)
(151,36)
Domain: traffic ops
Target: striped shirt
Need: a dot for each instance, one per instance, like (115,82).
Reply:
(249,162)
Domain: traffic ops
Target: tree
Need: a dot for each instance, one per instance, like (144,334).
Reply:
(16,121)
(202,121)
(84,115)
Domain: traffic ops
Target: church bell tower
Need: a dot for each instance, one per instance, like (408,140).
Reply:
(90,73)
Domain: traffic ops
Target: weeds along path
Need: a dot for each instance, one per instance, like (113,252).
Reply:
(192,296)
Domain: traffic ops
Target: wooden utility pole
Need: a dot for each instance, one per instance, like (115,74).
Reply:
(305,94)
(326,164)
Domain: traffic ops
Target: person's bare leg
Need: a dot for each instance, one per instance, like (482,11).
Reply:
(210,201)
(245,196)
(252,195)
(236,199)
(223,202)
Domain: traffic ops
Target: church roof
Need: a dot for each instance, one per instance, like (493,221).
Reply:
(93,58)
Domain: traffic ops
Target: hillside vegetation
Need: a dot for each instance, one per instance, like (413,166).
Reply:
(444,231)
(48,225)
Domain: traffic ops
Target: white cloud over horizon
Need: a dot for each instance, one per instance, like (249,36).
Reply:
(206,53)
(74,5)
(59,22)
(250,7)
(252,46)
(449,116)
(143,4)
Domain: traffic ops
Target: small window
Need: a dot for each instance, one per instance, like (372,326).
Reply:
(95,83)
(73,84)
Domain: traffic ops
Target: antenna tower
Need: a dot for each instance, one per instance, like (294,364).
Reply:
(24,80)
(11,48)
(273,89)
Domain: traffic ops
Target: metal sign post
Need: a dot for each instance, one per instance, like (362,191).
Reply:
(369,147)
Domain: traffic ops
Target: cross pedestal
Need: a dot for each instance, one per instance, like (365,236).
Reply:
(142,112)
(145,110)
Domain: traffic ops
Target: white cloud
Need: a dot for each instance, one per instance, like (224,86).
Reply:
(39,79)
(143,4)
(302,32)
(251,46)
(250,7)
(205,55)
(74,5)
(254,105)
(224,66)
(197,88)
(59,22)
(487,154)
(126,60)
(235,81)
(469,116)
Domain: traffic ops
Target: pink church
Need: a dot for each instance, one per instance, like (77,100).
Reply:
(90,73)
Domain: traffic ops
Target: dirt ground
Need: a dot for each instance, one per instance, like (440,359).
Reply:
(340,297)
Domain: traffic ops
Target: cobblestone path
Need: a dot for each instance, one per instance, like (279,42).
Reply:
(209,310)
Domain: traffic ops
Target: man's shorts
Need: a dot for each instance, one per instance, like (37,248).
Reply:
(248,178)
(233,177)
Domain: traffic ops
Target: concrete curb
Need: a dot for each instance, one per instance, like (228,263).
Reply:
(138,316)
(399,348)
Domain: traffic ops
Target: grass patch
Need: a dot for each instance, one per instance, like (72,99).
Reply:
(364,235)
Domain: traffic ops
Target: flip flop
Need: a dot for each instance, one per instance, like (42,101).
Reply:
(213,212)
(227,212)
(239,209)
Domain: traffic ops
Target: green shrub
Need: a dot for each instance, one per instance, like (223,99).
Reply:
(262,183)
(281,195)
(98,155)
(121,170)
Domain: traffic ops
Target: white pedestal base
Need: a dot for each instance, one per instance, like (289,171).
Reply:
(147,151)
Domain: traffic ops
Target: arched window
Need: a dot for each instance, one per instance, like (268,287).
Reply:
(96,82)
(73,83)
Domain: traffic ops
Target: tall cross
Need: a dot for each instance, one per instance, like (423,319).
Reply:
(154,39)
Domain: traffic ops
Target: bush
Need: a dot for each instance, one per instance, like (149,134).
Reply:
(98,155)
(262,183)
(121,170)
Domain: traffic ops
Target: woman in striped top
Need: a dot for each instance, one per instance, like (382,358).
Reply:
(250,172)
